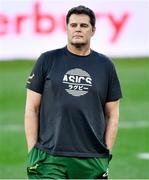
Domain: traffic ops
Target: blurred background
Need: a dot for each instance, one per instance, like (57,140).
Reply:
(30,27)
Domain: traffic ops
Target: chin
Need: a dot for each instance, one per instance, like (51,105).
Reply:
(78,44)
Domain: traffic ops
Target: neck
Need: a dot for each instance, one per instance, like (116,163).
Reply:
(79,50)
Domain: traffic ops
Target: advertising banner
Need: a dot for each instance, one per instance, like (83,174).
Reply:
(30,27)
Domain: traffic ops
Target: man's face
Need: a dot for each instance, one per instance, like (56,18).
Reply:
(79,30)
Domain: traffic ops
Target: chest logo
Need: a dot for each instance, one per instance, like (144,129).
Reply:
(77,82)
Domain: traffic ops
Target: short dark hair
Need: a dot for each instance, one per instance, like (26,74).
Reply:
(82,10)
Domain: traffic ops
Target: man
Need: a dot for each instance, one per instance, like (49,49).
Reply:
(72,107)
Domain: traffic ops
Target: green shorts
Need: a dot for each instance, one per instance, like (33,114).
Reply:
(44,166)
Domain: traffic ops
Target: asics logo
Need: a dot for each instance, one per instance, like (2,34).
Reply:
(77,82)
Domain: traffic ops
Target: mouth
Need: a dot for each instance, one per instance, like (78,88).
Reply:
(78,36)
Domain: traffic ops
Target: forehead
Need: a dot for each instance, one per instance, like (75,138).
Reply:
(79,18)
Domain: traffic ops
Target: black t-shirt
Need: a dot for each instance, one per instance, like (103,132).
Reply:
(74,92)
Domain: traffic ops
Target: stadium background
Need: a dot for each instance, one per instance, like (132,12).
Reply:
(20,46)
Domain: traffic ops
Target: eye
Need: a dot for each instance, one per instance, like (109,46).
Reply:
(84,25)
(73,25)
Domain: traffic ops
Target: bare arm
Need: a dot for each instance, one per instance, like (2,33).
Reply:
(31,117)
(112,117)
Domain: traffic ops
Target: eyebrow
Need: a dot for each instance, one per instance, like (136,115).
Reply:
(73,23)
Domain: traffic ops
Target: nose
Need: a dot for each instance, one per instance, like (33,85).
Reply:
(78,28)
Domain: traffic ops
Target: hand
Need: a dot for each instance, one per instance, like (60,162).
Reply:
(30,148)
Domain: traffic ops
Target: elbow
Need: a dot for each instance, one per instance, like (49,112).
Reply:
(113,120)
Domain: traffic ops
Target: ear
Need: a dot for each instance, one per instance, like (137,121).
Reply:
(93,30)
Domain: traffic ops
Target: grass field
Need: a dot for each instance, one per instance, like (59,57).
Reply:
(133,136)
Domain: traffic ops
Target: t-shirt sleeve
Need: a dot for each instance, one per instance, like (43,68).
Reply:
(114,89)
(36,79)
